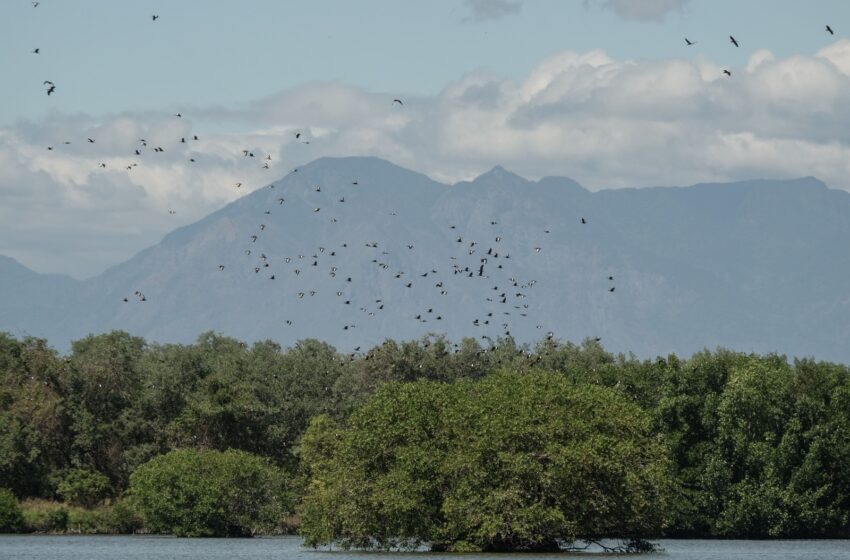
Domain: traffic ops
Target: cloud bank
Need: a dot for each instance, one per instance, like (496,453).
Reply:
(604,122)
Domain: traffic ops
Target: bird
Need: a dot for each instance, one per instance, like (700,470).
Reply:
(297,135)
(36,51)
(398,101)
(154,17)
(733,41)
(727,72)
(828,30)
(178,115)
(221,267)
(52,87)
(583,221)
(195,137)
(612,288)
(689,42)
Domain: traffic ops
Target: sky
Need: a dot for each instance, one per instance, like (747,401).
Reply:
(603,91)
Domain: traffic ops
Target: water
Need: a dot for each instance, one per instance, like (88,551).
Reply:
(37,547)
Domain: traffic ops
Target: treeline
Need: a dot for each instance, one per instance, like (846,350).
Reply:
(752,446)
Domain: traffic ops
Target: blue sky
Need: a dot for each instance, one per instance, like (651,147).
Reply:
(108,56)
(602,91)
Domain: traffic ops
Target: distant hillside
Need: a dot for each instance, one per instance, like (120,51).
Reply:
(755,266)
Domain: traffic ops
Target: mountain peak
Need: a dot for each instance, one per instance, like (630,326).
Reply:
(501,174)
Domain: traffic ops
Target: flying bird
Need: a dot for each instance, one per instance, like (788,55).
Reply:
(36,51)
(154,17)
(689,42)
(727,72)
(733,41)
(398,101)
(828,30)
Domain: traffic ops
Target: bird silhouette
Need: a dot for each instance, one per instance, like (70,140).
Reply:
(154,17)
(398,101)
(727,72)
(689,42)
(828,30)
(36,51)
(733,41)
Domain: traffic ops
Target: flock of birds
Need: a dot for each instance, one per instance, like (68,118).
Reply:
(487,263)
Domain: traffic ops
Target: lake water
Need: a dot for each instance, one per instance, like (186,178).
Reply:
(37,547)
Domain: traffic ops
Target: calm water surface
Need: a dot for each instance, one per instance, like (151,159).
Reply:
(34,547)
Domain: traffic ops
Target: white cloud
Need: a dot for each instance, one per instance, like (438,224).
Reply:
(604,122)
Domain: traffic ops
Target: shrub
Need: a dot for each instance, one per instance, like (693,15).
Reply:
(11,518)
(209,493)
(82,487)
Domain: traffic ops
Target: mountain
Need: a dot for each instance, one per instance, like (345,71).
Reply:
(755,266)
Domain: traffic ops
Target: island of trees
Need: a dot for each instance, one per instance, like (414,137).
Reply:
(424,443)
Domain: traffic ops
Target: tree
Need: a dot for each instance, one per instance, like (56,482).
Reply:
(11,517)
(512,462)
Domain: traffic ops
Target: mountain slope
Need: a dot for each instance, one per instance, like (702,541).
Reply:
(757,265)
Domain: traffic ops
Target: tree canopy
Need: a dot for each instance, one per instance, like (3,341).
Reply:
(512,462)
(758,446)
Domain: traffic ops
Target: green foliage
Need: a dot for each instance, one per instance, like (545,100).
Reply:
(759,446)
(33,435)
(82,487)
(513,462)
(46,518)
(11,517)
(209,493)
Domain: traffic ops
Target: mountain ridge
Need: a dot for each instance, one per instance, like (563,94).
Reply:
(752,265)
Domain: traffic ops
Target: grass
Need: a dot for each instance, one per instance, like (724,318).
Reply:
(45,516)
